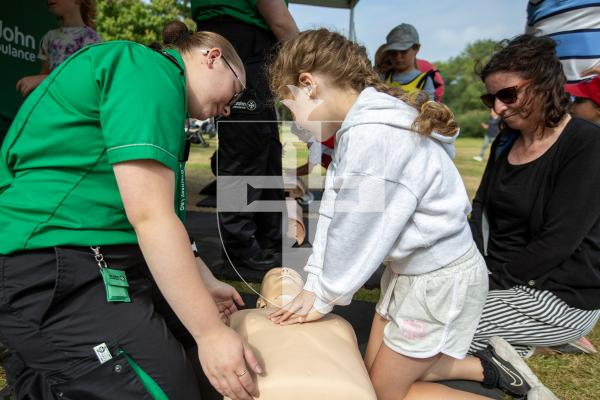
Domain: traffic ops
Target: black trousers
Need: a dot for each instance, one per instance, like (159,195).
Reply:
(53,312)
(249,142)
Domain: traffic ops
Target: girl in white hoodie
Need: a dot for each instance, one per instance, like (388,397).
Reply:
(392,195)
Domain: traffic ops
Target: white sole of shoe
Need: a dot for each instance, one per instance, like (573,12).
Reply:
(507,352)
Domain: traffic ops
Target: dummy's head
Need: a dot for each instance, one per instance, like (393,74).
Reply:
(332,62)
(215,75)
(279,286)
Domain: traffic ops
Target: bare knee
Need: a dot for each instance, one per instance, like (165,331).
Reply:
(386,390)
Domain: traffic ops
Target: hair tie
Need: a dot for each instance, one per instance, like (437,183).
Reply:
(184,35)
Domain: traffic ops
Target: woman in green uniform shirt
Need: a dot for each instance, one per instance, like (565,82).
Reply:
(91,195)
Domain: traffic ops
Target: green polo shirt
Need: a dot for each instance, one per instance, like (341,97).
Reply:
(242,10)
(108,103)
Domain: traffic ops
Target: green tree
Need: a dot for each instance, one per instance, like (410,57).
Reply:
(139,21)
(464,87)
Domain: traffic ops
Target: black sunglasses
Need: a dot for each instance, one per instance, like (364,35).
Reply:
(237,95)
(507,95)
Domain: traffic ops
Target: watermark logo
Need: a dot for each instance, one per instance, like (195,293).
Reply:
(302,106)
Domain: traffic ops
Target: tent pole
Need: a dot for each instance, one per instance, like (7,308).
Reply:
(351,30)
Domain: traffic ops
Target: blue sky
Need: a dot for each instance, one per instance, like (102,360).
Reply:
(445,26)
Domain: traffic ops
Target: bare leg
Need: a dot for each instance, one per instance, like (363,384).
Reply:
(434,391)
(447,368)
(392,374)
(395,377)
(375,340)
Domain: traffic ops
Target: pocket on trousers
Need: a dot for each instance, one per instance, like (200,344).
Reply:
(115,379)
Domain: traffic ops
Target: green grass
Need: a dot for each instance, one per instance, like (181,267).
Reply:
(570,377)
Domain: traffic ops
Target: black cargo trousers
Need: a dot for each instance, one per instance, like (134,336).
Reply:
(53,312)
(249,142)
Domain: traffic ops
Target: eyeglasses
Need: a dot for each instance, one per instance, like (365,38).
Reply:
(237,95)
(507,95)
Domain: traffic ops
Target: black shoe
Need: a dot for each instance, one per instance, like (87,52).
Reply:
(276,254)
(262,262)
(499,373)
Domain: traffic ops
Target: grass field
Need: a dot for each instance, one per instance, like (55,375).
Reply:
(570,377)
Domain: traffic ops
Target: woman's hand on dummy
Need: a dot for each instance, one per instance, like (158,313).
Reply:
(226,298)
(228,362)
(297,311)
(27,84)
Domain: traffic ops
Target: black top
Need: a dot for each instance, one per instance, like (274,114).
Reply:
(510,205)
(544,217)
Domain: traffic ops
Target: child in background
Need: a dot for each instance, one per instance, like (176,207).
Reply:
(382,65)
(586,103)
(77,20)
(392,194)
(398,58)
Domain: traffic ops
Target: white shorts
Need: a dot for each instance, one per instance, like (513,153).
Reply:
(436,312)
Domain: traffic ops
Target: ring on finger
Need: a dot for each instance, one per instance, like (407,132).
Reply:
(242,373)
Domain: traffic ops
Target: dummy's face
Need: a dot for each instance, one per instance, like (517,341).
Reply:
(403,60)
(510,109)
(586,109)
(212,84)
(63,7)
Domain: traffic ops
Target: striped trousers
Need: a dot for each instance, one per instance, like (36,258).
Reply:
(528,318)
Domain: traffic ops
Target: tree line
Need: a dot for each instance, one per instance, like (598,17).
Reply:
(142,21)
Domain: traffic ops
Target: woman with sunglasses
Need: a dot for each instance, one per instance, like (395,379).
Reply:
(92,194)
(536,214)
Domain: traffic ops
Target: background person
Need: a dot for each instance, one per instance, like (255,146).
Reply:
(586,102)
(491,131)
(249,143)
(77,225)
(399,61)
(78,20)
(536,214)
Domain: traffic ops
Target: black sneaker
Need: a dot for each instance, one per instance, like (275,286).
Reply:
(499,373)
(506,352)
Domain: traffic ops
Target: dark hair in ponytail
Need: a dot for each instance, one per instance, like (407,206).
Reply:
(176,35)
(175,31)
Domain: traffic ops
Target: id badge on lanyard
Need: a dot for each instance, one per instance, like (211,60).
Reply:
(115,281)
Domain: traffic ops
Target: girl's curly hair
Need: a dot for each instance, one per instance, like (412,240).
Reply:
(347,65)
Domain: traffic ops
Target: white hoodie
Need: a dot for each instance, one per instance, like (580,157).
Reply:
(411,208)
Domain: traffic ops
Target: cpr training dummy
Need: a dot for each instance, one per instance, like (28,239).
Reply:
(302,361)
